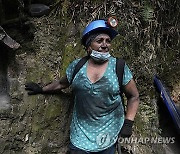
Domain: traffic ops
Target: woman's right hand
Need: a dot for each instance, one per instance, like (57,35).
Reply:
(33,88)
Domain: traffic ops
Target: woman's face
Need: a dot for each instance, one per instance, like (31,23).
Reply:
(101,43)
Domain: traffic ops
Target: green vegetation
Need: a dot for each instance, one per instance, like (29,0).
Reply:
(148,40)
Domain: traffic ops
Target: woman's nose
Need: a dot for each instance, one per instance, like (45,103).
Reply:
(104,44)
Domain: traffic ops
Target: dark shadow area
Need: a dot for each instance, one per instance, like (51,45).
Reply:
(168,128)
(4,84)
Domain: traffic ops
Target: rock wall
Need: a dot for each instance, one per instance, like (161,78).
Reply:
(40,123)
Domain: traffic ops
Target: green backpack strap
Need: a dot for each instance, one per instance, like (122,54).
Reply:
(120,63)
(78,66)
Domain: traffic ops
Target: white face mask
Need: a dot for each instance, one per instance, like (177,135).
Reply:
(100,56)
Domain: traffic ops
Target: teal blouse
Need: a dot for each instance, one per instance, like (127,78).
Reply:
(98,113)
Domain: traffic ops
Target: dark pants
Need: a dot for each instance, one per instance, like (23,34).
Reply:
(75,150)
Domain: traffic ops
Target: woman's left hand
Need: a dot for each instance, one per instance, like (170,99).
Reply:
(126,130)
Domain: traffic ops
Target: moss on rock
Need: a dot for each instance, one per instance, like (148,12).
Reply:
(40,124)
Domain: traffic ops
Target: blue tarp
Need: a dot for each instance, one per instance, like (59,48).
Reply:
(170,104)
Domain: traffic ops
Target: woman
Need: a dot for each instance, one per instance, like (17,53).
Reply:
(98,115)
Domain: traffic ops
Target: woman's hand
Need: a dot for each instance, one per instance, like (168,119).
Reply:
(33,88)
(126,130)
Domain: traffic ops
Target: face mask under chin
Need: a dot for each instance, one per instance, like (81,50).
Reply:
(99,57)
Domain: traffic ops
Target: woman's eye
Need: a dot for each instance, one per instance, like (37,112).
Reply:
(108,41)
(98,41)
(101,40)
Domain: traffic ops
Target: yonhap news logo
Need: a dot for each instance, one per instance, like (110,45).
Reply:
(144,140)
(103,139)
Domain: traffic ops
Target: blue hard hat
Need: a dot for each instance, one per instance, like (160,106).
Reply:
(98,26)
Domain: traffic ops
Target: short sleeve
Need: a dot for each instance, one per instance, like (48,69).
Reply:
(70,69)
(127,76)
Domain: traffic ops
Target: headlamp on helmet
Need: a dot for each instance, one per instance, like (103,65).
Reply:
(112,22)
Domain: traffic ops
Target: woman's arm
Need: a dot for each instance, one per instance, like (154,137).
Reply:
(52,88)
(56,86)
(132,95)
